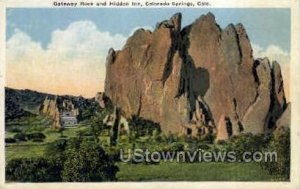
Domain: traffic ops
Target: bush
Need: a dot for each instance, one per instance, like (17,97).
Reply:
(246,142)
(85,132)
(16,130)
(76,160)
(143,127)
(209,138)
(35,136)
(32,170)
(279,143)
(88,163)
(56,148)
(20,137)
(10,140)
(174,147)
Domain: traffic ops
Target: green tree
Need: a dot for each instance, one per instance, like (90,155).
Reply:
(33,170)
(279,143)
(88,163)
(246,142)
(97,125)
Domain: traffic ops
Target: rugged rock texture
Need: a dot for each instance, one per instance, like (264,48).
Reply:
(196,80)
(284,120)
(50,108)
(80,107)
(223,132)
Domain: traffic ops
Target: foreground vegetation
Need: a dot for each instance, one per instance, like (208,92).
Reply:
(168,171)
(35,153)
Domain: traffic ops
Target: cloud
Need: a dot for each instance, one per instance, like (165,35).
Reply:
(72,63)
(20,44)
(274,52)
(83,39)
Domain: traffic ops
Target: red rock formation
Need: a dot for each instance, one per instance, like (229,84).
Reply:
(50,108)
(195,78)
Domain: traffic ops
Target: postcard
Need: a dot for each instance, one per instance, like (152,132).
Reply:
(150,94)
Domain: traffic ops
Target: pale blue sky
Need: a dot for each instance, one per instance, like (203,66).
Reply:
(43,43)
(264,26)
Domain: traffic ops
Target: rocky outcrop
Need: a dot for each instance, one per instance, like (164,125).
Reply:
(284,121)
(223,128)
(103,100)
(196,79)
(50,108)
(54,107)
(118,124)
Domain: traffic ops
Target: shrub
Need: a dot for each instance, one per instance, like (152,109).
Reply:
(246,142)
(32,170)
(76,160)
(20,137)
(56,148)
(16,130)
(35,136)
(10,140)
(143,127)
(88,163)
(279,143)
(85,132)
(174,147)
(209,138)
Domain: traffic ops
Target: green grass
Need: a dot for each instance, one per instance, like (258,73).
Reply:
(171,171)
(23,151)
(39,123)
(30,124)
(68,132)
(33,149)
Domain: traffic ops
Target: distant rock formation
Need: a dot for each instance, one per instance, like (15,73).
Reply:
(51,108)
(25,102)
(197,80)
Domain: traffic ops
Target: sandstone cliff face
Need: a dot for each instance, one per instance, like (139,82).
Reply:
(50,108)
(199,79)
(284,120)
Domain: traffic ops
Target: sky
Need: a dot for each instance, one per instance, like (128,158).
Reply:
(63,51)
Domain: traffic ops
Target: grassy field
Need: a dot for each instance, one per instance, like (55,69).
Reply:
(168,171)
(23,151)
(30,124)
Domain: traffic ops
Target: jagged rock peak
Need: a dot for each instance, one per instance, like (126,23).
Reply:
(230,28)
(209,17)
(110,56)
(240,29)
(174,22)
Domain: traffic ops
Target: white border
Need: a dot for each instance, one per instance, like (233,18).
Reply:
(295,95)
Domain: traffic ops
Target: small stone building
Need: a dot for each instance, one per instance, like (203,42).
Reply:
(68,119)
